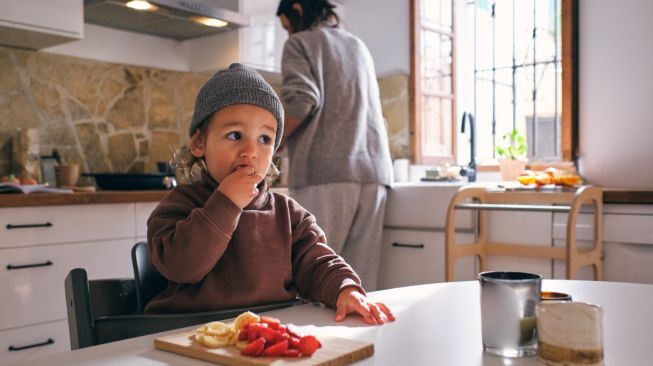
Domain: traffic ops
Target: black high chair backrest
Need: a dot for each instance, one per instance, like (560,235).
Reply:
(147,280)
(107,310)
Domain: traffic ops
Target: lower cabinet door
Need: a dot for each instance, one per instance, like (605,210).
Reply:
(21,344)
(32,278)
(414,257)
(628,262)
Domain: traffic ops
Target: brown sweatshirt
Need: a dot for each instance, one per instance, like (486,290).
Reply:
(217,256)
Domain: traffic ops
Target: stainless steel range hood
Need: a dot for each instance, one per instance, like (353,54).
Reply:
(176,19)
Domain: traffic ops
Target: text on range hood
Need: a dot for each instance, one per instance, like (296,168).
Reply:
(176,19)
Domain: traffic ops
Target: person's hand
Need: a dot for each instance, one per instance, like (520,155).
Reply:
(350,300)
(240,186)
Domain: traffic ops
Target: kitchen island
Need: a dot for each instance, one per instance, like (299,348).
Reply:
(437,324)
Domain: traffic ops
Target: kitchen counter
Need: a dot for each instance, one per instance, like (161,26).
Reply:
(610,195)
(80,198)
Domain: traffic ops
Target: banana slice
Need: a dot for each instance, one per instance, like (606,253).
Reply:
(245,318)
(242,344)
(214,341)
(219,329)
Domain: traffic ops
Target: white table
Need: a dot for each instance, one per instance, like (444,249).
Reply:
(437,324)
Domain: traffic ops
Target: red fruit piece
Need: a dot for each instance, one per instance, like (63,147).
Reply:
(294,342)
(255,348)
(254,331)
(291,353)
(308,345)
(271,336)
(242,335)
(270,321)
(278,349)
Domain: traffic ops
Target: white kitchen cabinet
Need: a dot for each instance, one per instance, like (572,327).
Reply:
(24,343)
(627,242)
(527,228)
(143,211)
(414,257)
(38,24)
(413,235)
(261,43)
(38,247)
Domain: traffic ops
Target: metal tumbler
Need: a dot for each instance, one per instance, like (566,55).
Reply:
(508,301)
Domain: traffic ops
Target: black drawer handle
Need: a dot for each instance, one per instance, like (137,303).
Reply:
(21,266)
(414,246)
(49,341)
(10,226)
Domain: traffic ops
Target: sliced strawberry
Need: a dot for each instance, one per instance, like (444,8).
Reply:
(278,349)
(270,321)
(271,336)
(255,348)
(291,352)
(293,342)
(254,331)
(308,345)
(242,335)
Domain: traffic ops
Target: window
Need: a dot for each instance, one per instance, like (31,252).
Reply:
(501,61)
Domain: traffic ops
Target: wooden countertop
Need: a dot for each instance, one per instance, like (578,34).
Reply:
(617,195)
(79,198)
(610,195)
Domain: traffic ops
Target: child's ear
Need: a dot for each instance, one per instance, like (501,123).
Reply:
(197,144)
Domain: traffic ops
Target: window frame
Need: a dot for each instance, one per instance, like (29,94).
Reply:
(569,115)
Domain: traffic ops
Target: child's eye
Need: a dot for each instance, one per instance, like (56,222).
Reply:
(265,139)
(234,136)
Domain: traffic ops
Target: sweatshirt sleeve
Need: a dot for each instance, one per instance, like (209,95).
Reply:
(319,273)
(185,239)
(300,91)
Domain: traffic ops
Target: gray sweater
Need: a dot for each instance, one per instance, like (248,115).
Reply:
(330,84)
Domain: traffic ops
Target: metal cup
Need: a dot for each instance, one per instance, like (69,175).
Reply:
(508,301)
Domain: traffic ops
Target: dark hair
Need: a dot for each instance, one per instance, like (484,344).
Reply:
(314,13)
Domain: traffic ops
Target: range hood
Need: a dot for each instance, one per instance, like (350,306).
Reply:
(175,19)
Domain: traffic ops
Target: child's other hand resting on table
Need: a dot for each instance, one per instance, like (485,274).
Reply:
(350,300)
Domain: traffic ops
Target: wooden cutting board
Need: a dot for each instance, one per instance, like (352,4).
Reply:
(334,352)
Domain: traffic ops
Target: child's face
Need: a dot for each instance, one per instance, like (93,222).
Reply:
(238,136)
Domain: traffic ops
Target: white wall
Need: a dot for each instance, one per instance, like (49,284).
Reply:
(616,92)
(383,26)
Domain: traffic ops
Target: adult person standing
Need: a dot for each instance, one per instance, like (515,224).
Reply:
(337,142)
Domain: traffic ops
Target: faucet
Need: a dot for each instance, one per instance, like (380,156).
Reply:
(470,170)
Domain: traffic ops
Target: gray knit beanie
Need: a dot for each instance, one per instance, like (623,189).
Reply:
(239,84)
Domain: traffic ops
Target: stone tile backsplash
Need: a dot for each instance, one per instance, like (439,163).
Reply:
(120,118)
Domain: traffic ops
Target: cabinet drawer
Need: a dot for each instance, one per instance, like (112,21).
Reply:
(411,257)
(143,211)
(424,206)
(36,294)
(24,226)
(47,339)
(617,227)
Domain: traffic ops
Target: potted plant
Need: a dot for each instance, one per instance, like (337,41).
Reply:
(512,155)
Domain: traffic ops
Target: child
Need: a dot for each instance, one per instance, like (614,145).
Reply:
(225,241)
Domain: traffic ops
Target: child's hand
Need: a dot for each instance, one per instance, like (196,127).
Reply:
(350,300)
(240,186)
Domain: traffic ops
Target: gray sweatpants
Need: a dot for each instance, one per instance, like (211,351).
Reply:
(351,216)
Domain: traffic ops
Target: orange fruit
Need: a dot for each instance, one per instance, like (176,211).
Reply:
(526,177)
(570,179)
(543,179)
